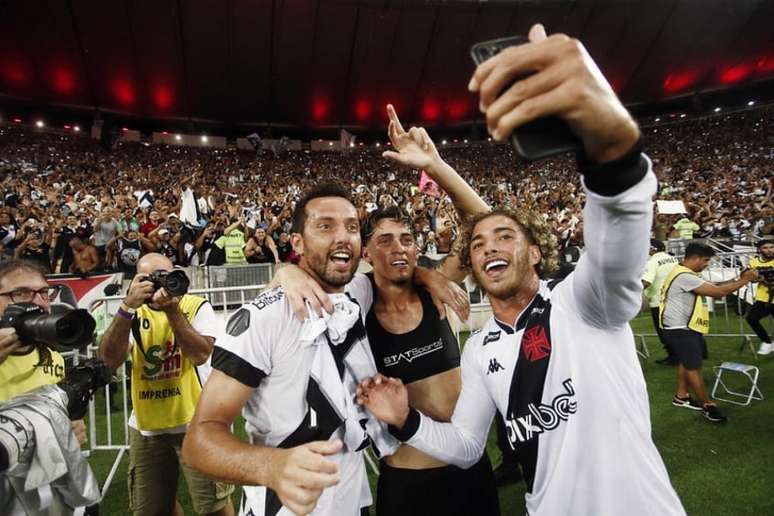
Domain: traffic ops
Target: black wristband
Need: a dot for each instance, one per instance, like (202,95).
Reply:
(614,177)
(410,427)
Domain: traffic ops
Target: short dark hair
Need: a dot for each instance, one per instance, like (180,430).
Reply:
(658,245)
(763,241)
(324,189)
(698,248)
(393,213)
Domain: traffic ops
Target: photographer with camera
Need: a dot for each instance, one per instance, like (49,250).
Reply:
(25,361)
(763,305)
(168,333)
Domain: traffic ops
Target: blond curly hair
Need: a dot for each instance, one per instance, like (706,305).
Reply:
(533,226)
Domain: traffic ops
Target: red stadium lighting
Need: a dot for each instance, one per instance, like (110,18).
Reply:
(162,97)
(63,80)
(679,81)
(124,129)
(17,120)
(67,127)
(765,64)
(735,73)
(320,108)
(458,109)
(124,91)
(431,110)
(363,109)
(16,74)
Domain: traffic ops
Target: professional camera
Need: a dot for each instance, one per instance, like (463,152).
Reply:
(80,384)
(174,282)
(766,275)
(41,418)
(34,325)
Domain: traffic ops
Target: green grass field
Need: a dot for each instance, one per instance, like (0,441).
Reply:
(717,469)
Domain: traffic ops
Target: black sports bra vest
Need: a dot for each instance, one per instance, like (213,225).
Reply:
(427,350)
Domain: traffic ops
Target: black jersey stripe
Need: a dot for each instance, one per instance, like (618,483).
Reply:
(529,376)
(236,367)
(319,423)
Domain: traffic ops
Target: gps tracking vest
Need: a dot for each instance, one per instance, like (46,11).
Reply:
(165,384)
(699,320)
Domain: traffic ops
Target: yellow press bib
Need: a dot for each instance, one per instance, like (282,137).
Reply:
(165,383)
(23,373)
(699,320)
(762,292)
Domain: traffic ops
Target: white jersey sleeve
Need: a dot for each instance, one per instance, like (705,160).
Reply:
(244,351)
(606,284)
(206,323)
(361,289)
(462,441)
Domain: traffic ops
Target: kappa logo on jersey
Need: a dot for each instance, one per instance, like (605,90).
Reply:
(494,366)
(535,344)
(492,336)
(542,418)
(413,353)
(268,298)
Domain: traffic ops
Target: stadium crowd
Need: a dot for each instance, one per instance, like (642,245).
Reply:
(74,207)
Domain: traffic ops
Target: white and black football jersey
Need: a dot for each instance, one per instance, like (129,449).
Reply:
(567,381)
(262,348)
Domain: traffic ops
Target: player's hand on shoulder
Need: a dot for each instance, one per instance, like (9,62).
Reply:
(299,288)
(299,475)
(566,82)
(446,292)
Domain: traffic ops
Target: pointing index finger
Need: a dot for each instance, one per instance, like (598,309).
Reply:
(394,118)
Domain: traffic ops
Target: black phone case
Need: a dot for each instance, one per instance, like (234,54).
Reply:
(540,138)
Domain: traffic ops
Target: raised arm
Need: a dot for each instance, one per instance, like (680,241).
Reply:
(617,217)
(416,149)
(617,177)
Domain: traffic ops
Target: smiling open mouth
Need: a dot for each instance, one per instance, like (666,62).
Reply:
(495,266)
(341,257)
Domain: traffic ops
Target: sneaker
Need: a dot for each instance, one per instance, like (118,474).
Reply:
(712,413)
(686,402)
(766,348)
(668,361)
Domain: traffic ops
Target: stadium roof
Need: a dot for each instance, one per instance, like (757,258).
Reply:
(313,63)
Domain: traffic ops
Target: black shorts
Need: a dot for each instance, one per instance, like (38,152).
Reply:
(688,346)
(448,490)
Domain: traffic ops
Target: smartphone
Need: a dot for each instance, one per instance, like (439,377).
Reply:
(540,138)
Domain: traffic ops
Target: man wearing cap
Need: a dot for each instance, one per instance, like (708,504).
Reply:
(659,266)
